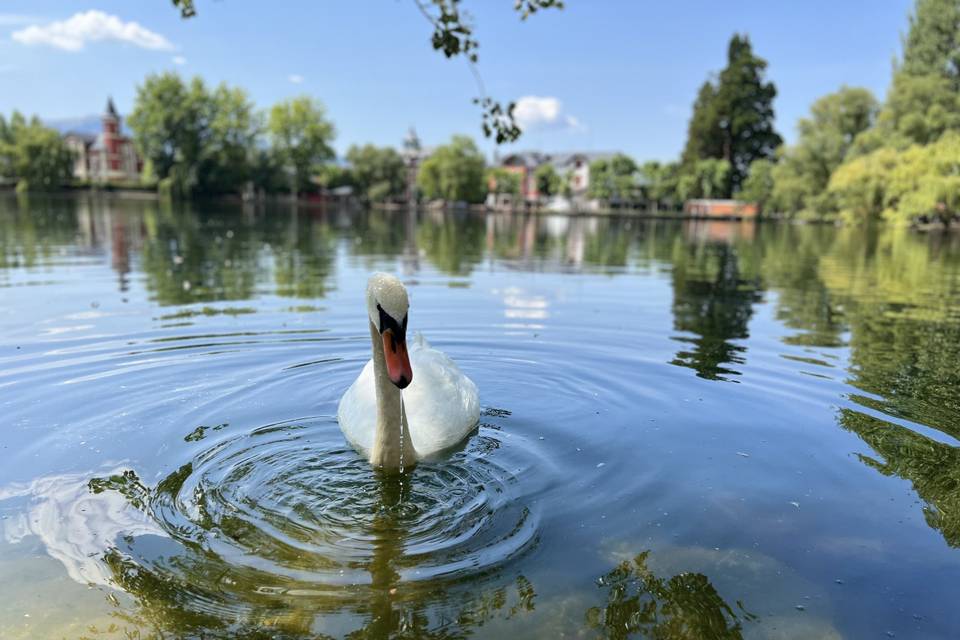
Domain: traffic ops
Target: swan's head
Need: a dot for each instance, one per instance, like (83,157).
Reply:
(387,306)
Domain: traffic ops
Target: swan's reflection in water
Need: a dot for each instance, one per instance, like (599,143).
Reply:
(194,592)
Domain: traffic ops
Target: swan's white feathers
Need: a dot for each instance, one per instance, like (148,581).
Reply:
(442,404)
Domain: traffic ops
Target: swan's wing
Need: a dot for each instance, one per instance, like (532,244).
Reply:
(357,413)
(442,404)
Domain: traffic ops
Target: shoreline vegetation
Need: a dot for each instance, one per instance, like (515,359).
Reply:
(855,160)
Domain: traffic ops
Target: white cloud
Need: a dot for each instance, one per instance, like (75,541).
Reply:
(295,78)
(179,60)
(544,112)
(74,33)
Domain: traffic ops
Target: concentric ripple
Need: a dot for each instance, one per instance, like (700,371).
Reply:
(289,509)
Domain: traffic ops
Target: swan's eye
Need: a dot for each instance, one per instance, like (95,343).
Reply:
(388,322)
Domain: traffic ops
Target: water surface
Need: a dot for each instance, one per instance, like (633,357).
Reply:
(689,430)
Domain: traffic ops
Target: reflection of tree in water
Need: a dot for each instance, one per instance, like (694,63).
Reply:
(609,244)
(376,233)
(933,468)
(32,227)
(191,258)
(186,589)
(303,255)
(712,300)
(453,242)
(902,301)
(188,258)
(683,607)
(790,264)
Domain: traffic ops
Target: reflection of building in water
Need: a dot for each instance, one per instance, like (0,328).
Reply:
(726,231)
(715,208)
(109,156)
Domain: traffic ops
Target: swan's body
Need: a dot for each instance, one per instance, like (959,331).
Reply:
(440,406)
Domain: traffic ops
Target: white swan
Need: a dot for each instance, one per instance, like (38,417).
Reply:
(440,404)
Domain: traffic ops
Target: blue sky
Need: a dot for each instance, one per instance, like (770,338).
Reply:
(610,74)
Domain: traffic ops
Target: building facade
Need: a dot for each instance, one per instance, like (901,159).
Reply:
(107,157)
(573,168)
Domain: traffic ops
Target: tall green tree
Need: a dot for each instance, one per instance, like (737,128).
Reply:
(301,136)
(932,44)
(169,120)
(195,139)
(454,173)
(379,173)
(733,119)
(227,160)
(704,135)
(924,99)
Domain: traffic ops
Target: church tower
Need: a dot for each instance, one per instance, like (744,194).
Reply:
(111,136)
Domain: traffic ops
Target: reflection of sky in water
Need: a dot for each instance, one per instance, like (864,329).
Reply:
(75,525)
(520,307)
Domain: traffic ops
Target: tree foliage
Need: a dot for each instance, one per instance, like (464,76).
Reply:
(733,118)
(195,139)
(924,99)
(759,185)
(704,138)
(801,176)
(300,135)
(454,173)
(919,183)
(378,173)
(549,182)
(661,182)
(904,168)
(614,180)
(708,178)
(503,181)
(34,155)
(932,44)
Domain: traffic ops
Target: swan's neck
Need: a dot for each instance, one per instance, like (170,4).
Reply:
(391,450)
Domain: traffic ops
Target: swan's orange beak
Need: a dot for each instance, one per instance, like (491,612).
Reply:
(398,364)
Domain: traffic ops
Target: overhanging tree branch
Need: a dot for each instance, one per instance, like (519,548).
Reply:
(453,35)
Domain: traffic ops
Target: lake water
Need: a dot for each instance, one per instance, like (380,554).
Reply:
(689,430)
